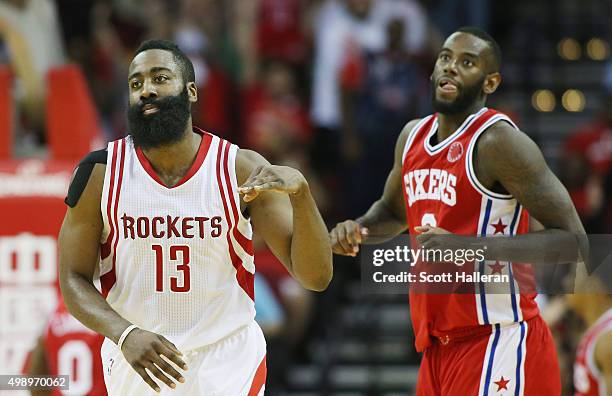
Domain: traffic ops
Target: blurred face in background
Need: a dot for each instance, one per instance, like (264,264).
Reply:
(395,35)
(460,76)
(278,81)
(359,8)
(159,100)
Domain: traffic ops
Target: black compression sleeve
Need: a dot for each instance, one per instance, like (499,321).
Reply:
(81,175)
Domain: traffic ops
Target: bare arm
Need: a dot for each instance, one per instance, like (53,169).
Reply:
(38,365)
(79,242)
(386,217)
(513,159)
(284,213)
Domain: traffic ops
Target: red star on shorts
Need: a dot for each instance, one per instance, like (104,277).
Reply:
(499,227)
(501,384)
(496,268)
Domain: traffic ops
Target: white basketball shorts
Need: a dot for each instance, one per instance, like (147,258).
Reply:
(233,366)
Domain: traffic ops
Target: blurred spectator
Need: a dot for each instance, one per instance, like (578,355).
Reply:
(31,32)
(270,315)
(67,347)
(109,67)
(449,15)
(379,97)
(211,111)
(344,29)
(297,305)
(276,123)
(586,174)
(280,33)
(275,120)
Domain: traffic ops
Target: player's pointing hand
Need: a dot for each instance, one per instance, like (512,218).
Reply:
(281,179)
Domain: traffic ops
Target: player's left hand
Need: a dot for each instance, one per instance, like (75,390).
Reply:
(280,179)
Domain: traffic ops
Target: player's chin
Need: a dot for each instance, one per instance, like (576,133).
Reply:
(446,97)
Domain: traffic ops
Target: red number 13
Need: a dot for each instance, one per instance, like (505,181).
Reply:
(183,267)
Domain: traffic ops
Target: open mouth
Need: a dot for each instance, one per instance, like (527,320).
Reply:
(447,85)
(149,109)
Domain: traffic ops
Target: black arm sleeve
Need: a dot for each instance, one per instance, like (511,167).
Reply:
(81,175)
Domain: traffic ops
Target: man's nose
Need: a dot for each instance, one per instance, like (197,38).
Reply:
(451,67)
(148,90)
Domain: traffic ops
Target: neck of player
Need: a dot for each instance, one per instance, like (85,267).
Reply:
(174,160)
(448,123)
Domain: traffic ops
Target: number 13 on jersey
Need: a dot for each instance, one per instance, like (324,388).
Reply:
(182,265)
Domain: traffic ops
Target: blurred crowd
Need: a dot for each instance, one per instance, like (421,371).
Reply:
(321,85)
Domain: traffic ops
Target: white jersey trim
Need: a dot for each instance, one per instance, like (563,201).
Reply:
(469,166)
(433,150)
(412,134)
(590,352)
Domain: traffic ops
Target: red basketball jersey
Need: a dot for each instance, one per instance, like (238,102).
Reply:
(588,381)
(441,189)
(73,349)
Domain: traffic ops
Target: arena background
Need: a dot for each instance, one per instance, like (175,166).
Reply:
(324,86)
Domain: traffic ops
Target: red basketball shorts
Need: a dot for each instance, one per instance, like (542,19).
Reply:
(518,359)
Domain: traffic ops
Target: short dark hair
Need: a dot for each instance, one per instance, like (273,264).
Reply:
(493,46)
(179,56)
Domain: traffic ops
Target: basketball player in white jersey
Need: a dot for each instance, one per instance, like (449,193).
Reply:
(161,211)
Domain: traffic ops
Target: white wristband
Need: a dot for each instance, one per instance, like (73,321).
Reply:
(125,334)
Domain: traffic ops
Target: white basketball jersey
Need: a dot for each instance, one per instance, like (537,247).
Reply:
(177,261)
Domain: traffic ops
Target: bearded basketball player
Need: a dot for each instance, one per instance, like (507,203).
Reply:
(161,211)
(462,172)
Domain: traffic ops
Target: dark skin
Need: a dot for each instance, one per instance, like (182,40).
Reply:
(505,162)
(277,198)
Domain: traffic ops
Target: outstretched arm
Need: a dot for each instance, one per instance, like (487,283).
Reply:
(284,213)
(386,217)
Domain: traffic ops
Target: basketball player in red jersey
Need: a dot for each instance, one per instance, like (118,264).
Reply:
(593,363)
(459,174)
(167,211)
(68,348)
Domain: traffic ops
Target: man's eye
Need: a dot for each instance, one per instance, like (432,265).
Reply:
(135,84)
(444,57)
(468,63)
(160,78)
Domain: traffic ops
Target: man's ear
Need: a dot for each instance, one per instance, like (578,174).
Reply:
(192,92)
(491,83)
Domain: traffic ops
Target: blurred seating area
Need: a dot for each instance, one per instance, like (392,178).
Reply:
(324,86)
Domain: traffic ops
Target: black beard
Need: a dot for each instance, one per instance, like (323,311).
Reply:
(164,127)
(466,98)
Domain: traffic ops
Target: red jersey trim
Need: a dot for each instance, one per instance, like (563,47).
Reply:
(259,379)
(244,242)
(109,279)
(193,169)
(244,278)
